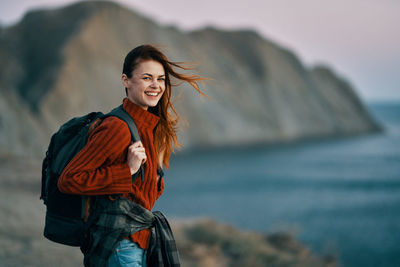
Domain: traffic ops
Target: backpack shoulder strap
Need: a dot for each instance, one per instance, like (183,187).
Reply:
(120,113)
(123,115)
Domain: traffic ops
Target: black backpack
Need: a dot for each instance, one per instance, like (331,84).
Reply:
(65,221)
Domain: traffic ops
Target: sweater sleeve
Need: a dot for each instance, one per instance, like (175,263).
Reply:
(94,171)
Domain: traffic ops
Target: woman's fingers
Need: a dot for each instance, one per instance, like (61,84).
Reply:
(136,156)
(143,157)
(139,153)
(138,149)
(136,144)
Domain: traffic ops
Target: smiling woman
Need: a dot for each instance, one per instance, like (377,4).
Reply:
(147,84)
(142,66)
(110,161)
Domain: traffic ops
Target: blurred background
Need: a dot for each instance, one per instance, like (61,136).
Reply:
(295,162)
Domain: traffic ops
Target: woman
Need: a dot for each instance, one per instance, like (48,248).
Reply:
(106,164)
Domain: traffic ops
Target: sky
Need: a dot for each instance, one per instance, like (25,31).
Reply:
(358,39)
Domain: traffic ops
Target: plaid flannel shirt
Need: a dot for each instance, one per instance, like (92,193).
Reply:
(114,220)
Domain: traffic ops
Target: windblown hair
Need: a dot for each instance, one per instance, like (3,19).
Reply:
(165,137)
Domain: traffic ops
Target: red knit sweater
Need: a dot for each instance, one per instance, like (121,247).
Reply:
(101,167)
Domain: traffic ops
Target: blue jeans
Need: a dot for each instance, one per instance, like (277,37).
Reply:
(127,254)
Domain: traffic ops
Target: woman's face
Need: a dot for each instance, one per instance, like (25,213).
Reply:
(147,84)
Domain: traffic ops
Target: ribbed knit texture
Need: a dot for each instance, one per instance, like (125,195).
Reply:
(101,167)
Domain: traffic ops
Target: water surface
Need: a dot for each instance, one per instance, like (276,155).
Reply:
(339,197)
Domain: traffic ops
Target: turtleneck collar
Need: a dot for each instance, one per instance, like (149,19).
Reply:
(143,118)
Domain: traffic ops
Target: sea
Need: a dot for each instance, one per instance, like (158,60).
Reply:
(339,197)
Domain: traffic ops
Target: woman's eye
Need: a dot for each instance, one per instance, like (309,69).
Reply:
(148,78)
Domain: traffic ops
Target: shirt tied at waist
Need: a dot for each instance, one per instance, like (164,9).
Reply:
(114,220)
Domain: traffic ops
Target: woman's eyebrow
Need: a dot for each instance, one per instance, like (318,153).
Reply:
(152,75)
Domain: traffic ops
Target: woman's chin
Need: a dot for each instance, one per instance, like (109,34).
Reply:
(152,103)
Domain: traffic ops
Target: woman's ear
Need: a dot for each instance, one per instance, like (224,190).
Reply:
(125,80)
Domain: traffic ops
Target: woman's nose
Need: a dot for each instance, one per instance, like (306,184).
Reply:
(155,83)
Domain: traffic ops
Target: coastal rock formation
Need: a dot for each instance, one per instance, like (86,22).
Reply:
(206,243)
(61,63)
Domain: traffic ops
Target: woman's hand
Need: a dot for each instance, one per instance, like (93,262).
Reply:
(136,156)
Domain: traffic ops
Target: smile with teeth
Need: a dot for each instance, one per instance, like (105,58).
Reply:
(151,93)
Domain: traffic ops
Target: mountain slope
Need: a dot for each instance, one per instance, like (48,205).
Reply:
(65,62)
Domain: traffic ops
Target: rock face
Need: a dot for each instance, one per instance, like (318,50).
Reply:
(61,63)
(206,243)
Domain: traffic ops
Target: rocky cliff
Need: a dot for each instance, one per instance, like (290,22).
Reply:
(61,63)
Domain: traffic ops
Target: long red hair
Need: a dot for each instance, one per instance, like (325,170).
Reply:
(165,137)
